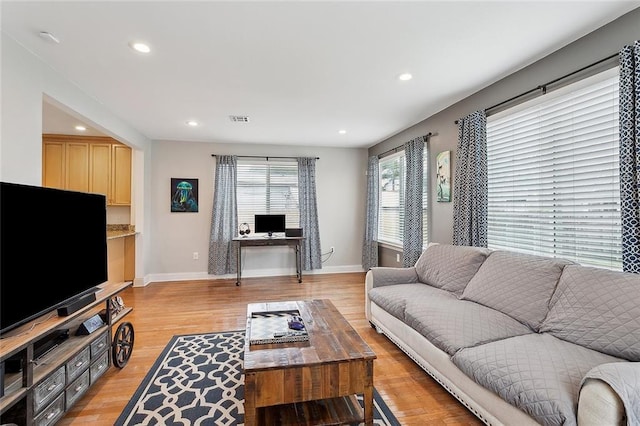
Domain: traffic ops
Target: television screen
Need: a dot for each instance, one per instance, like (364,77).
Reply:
(57,255)
(269,223)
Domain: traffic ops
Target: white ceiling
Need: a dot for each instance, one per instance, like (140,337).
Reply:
(300,70)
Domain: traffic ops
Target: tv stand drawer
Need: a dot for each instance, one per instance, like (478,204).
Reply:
(48,389)
(77,389)
(78,364)
(52,413)
(99,345)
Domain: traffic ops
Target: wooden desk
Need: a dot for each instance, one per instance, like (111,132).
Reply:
(268,242)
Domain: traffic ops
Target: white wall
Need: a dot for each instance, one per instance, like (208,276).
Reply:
(21,124)
(25,82)
(340,186)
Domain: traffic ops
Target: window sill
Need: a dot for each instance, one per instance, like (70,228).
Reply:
(390,246)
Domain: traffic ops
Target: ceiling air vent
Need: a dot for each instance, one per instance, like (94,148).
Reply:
(239,118)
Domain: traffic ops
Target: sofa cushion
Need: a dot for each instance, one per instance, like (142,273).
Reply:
(393,298)
(450,267)
(451,324)
(537,373)
(520,285)
(597,308)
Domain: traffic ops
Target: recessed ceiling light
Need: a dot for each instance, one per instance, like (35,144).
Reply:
(405,77)
(342,132)
(140,47)
(193,123)
(81,128)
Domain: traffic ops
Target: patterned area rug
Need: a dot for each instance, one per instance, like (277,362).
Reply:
(198,380)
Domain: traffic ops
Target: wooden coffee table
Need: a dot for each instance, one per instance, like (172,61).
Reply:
(310,382)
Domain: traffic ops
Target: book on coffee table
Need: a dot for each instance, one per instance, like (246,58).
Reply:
(273,327)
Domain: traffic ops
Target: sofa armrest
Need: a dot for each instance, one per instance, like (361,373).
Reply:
(610,395)
(381,276)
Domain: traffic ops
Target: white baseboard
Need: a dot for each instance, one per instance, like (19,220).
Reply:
(191,276)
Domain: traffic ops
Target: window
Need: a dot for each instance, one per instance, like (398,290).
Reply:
(553,174)
(267,187)
(392,192)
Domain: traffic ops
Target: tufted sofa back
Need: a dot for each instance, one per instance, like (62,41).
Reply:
(450,267)
(597,308)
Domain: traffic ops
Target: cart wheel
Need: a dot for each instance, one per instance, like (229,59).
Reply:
(122,344)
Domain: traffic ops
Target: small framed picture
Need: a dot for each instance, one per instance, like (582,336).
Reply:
(184,195)
(443,176)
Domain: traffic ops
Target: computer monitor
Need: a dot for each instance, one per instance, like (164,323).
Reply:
(269,223)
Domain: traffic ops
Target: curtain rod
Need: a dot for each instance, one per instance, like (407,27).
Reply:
(543,87)
(397,148)
(264,156)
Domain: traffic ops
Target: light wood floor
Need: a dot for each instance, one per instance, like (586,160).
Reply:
(162,310)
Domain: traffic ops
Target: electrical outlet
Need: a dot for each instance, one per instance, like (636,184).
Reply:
(398,257)
(332,249)
(196,256)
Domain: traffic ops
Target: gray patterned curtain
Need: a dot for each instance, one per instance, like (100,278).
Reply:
(224,218)
(630,156)
(414,178)
(470,184)
(311,252)
(370,243)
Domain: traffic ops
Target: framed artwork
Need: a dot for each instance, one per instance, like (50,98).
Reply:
(184,195)
(443,176)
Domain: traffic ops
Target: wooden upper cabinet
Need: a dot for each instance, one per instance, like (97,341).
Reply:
(100,170)
(89,164)
(53,164)
(77,157)
(121,175)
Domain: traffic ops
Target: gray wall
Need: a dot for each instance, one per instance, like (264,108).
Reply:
(593,47)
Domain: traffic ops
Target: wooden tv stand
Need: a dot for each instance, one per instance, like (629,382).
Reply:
(41,391)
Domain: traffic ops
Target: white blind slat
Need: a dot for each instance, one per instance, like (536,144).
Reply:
(553,174)
(391,210)
(267,187)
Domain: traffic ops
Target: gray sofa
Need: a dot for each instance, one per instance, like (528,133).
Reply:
(518,339)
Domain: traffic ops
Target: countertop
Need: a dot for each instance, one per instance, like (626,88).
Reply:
(120,231)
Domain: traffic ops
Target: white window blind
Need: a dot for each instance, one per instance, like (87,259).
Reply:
(553,174)
(267,187)
(392,192)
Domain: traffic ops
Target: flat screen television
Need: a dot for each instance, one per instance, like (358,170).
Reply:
(269,223)
(53,250)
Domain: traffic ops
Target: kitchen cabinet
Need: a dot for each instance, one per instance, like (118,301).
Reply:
(89,164)
(77,166)
(53,164)
(121,175)
(100,171)
(121,257)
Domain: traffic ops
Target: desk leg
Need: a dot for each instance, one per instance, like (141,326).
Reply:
(299,263)
(238,263)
